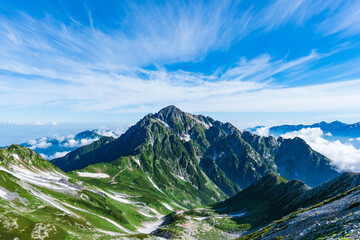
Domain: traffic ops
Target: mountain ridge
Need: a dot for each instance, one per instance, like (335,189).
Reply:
(229,158)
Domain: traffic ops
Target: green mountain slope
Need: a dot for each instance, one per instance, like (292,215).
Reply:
(40,201)
(172,141)
(273,197)
(334,217)
(160,153)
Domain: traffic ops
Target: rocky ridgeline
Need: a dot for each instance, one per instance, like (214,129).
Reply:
(334,220)
(198,148)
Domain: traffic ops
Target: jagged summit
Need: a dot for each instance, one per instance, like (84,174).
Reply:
(170,109)
(200,149)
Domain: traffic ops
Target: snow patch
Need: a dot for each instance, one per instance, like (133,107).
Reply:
(16,156)
(51,180)
(92,175)
(157,214)
(168,206)
(51,201)
(152,182)
(137,162)
(206,126)
(155,186)
(3,194)
(146,214)
(182,178)
(166,125)
(106,219)
(185,137)
(174,203)
(117,197)
(149,227)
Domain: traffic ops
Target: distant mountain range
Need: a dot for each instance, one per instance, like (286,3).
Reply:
(335,129)
(223,182)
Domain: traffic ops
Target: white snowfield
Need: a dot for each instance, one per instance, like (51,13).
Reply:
(168,206)
(156,212)
(92,175)
(123,198)
(41,178)
(15,156)
(182,178)
(180,207)
(185,137)
(206,126)
(117,197)
(52,202)
(149,227)
(106,219)
(155,186)
(3,194)
(152,182)
(166,125)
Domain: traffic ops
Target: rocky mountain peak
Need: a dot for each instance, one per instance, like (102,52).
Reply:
(170,110)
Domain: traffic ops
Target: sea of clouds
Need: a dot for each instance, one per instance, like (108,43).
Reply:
(59,145)
(344,155)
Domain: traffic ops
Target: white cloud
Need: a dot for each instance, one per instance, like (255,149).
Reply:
(264,131)
(105,131)
(87,141)
(43,144)
(59,154)
(56,155)
(166,33)
(345,21)
(40,143)
(280,12)
(71,143)
(49,64)
(344,156)
(34,123)
(248,82)
(32,142)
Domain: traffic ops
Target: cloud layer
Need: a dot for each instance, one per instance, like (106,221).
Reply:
(78,66)
(58,146)
(344,156)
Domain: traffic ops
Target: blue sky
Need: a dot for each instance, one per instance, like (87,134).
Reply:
(255,62)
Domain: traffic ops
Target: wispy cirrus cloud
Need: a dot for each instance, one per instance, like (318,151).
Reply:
(117,91)
(176,31)
(45,62)
(281,12)
(346,21)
